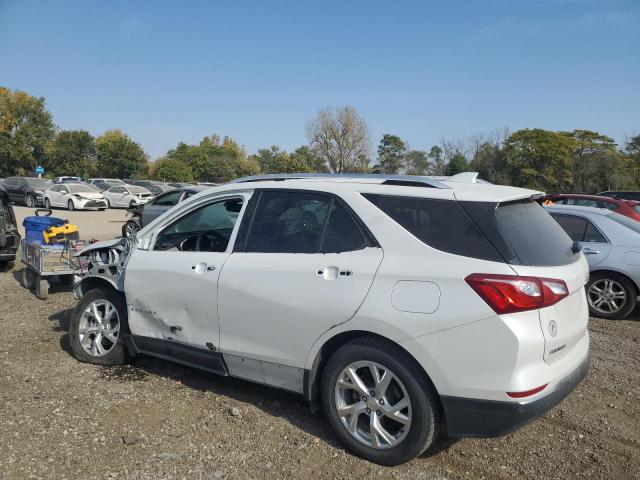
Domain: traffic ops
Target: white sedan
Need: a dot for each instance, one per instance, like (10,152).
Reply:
(74,196)
(127,196)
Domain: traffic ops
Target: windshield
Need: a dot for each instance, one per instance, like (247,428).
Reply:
(80,189)
(135,189)
(39,183)
(626,221)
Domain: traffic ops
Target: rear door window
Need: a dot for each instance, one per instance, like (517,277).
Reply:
(441,224)
(342,234)
(288,222)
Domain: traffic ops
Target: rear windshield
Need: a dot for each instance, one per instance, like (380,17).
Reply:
(38,183)
(532,236)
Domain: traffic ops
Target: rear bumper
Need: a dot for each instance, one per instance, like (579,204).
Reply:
(467,417)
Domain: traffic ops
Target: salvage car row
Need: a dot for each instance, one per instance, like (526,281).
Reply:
(73,194)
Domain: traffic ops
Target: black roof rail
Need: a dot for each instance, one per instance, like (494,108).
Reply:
(404,180)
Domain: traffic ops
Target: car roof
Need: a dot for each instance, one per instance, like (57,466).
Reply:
(464,187)
(579,209)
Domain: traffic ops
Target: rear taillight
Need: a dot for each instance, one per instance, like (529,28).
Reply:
(512,293)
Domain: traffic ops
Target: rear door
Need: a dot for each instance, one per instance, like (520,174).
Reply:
(595,245)
(540,248)
(302,264)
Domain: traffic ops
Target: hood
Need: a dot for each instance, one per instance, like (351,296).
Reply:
(90,195)
(117,243)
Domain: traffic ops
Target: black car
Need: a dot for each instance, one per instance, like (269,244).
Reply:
(143,214)
(26,190)
(622,194)
(9,236)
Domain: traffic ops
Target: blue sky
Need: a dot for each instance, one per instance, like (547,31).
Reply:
(166,72)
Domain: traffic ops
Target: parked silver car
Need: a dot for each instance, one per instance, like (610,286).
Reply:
(611,243)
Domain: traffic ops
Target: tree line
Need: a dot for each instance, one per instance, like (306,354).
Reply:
(338,141)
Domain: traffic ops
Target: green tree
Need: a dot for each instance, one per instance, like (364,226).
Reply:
(274,160)
(119,156)
(490,162)
(72,152)
(435,154)
(25,129)
(417,162)
(307,156)
(594,160)
(457,164)
(540,159)
(171,170)
(391,152)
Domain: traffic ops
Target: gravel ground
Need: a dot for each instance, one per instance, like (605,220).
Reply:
(63,419)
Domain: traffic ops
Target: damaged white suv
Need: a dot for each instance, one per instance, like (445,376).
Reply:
(404,307)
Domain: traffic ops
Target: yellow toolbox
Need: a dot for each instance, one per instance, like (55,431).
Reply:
(61,233)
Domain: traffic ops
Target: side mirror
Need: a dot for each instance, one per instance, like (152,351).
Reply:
(576,247)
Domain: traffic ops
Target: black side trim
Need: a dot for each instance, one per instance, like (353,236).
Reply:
(176,352)
(467,417)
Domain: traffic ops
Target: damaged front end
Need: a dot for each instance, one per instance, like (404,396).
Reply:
(103,266)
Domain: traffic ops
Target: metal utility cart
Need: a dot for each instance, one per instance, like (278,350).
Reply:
(43,262)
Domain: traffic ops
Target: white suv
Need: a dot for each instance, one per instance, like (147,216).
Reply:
(403,306)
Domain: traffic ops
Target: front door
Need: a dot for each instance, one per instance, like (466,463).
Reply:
(306,265)
(172,288)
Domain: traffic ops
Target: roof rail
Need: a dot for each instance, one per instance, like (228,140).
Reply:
(405,180)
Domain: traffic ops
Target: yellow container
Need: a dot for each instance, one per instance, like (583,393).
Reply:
(61,233)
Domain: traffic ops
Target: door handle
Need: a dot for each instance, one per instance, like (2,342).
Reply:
(588,251)
(332,273)
(202,267)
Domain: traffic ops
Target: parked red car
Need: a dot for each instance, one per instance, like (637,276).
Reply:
(628,208)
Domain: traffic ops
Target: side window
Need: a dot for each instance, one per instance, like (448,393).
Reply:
(441,224)
(609,205)
(592,234)
(574,226)
(288,222)
(168,199)
(10,182)
(205,229)
(341,234)
(583,202)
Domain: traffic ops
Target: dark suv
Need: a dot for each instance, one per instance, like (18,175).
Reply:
(9,236)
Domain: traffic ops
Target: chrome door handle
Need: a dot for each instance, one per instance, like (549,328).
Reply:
(202,267)
(588,251)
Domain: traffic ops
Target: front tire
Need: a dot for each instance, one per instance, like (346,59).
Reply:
(97,329)
(29,201)
(129,229)
(71,206)
(611,295)
(379,402)
(47,203)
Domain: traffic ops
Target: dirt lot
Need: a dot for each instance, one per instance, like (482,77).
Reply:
(92,224)
(63,419)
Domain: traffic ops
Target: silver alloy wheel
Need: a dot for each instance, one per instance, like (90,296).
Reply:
(130,229)
(29,201)
(373,404)
(99,328)
(607,296)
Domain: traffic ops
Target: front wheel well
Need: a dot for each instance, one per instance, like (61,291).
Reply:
(89,283)
(314,375)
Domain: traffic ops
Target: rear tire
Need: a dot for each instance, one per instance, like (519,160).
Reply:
(47,204)
(94,339)
(611,295)
(379,433)
(27,278)
(42,288)
(71,206)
